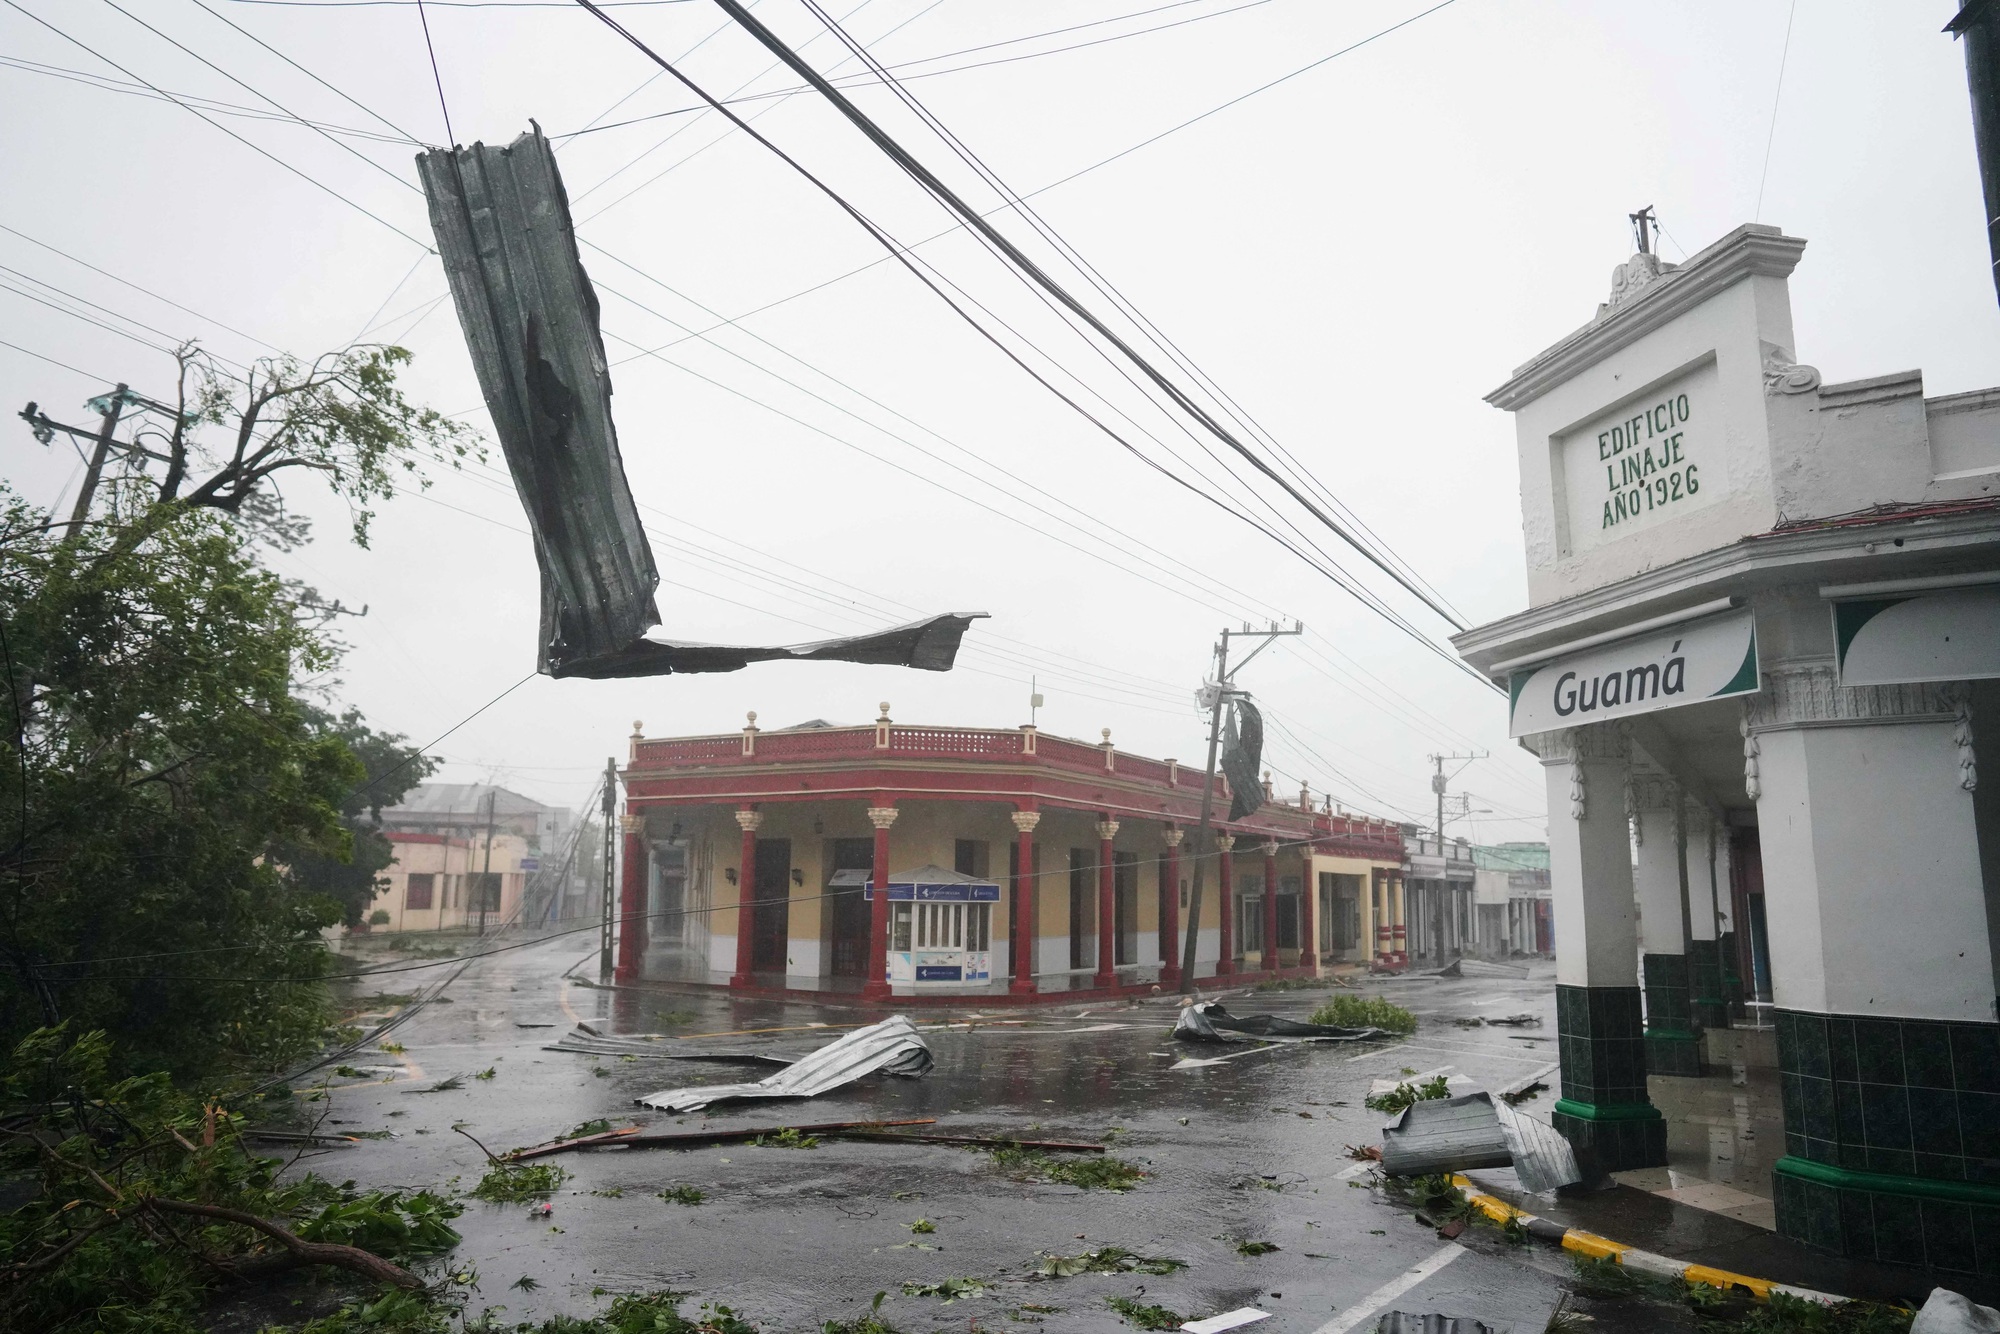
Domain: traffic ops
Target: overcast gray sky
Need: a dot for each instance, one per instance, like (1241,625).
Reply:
(1355,255)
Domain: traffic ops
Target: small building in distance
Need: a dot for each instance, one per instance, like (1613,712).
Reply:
(754,859)
(1442,921)
(1511,891)
(443,872)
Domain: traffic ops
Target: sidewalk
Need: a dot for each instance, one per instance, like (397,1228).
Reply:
(1711,1205)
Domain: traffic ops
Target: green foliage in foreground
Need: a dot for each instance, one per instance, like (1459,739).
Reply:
(632,1313)
(101,1246)
(1092,1172)
(1401,1096)
(1719,1312)
(511,1183)
(1365,1012)
(872,1323)
(1138,1313)
(1106,1260)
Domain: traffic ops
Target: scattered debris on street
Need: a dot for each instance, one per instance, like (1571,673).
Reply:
(892,1047)
(1207,1021)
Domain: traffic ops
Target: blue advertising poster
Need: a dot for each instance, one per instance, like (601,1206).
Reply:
(937,972)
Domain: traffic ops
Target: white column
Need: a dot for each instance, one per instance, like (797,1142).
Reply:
(1872,888)
(1590,868)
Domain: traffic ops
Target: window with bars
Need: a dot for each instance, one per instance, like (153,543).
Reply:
(417,894)
(952,926)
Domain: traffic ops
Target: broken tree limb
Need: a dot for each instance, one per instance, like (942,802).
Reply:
(298,1251)
(562,1145)
(695,1139)
(976,1141)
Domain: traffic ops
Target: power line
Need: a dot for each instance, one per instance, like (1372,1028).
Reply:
(900,253)
(855,80)
(1777,93)
(1104,287)
(443,106)
(951,200)
(317,184)
(124,282)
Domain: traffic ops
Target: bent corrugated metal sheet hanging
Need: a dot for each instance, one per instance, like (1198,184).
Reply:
(1243,757)
(530,316)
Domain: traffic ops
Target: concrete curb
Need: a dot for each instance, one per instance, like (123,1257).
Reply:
(1591,1246)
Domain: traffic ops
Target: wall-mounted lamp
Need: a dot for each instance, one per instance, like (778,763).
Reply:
(729,874)
(798,876)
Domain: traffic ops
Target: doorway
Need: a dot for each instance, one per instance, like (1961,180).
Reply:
(772,899)
(1125,906)
(848,918)
(1082,907)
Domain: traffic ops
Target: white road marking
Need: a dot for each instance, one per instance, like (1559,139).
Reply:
(1379,1051)
(1390,1291)
(1195,1063)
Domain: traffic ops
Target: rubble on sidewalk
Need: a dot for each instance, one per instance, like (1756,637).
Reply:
(1948,1313)
(1470,1132)
(892,1047)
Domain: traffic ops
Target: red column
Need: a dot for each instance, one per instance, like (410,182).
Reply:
(631,901)
(1170,932)
(746,893)
(876,987)
(1270,905)
(1107,909)
(1024,932)
(1308,915)
(1225,884)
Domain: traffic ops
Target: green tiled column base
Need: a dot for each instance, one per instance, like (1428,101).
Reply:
(1671,1053)
(1953,1226)
(1604,1111)
(1705,984)
(1672,1048)
(1892,1138)
(1615,1137)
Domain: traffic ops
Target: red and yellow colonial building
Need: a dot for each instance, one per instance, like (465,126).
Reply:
(1015,864)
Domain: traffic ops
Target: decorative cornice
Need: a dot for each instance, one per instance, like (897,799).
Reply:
(1752,250)
(1803,556)
(1172,835)
(1025,821)
(1225,842)
(1598,741)
(751,821)
(1782,375)
(1813,697)
(631,824)
(1107,830)
(882,816)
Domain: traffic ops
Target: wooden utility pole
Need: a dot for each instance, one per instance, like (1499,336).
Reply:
(1438,784)
(1203,844)
(88,491)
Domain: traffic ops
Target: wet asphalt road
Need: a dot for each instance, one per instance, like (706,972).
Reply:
(791,1237)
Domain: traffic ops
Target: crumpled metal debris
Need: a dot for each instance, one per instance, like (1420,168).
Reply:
(1242,757)
(1207,1021)
(1402,1322)
(1948,1313)
(1470,1132)
(892,1047)
(529,314)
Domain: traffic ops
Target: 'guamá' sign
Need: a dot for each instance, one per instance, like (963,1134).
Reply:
(1711,658)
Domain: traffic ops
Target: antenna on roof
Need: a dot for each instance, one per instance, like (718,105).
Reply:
(1034,700)
(1644,228)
